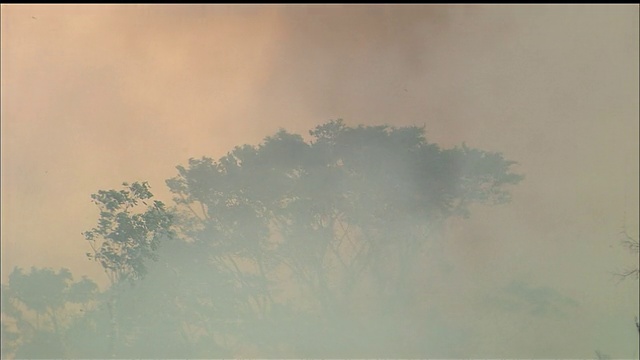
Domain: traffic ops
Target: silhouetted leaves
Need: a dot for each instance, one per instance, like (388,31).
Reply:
(353,206)
(124,239)
(37,306)
(291,248)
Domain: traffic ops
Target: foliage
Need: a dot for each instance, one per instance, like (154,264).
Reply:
(347,216)
(38,307)
(288,248)
(123,239)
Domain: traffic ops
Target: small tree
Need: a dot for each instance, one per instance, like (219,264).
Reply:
(45,294)
(344,219)
(124,239)
(127,235)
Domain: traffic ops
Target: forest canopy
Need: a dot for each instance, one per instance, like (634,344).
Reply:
(289,248)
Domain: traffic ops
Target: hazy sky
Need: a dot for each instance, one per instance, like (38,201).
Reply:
(96,95)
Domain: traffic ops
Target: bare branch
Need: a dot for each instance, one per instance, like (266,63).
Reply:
(630,242)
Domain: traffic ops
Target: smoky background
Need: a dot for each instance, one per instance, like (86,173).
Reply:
(96,95)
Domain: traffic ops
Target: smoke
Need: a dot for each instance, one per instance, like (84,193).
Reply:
(96,95)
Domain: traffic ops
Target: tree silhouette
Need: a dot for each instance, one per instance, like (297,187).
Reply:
(123,239)
(342,218)
(38,302)
(126,237)
(290,248)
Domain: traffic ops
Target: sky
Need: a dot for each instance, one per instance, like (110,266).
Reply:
(95,95)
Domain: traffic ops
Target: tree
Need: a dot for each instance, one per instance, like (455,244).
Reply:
(343,220)
(123,239)
(39,305)
(288,248)
(126,237)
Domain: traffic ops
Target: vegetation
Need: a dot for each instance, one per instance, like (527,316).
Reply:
(288,248)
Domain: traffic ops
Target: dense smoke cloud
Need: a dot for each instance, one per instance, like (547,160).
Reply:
(96,95)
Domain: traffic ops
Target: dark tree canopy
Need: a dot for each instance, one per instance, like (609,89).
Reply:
(37,307)
(291,248)
(345,215)
(124,238)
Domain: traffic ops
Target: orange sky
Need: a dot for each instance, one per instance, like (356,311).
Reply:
(96,95)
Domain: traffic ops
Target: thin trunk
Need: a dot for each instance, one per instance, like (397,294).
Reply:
(54,320)
(263,274)
(112,326)
(243,283)
(113,314)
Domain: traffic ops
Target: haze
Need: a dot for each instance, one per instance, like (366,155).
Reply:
(96,95)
